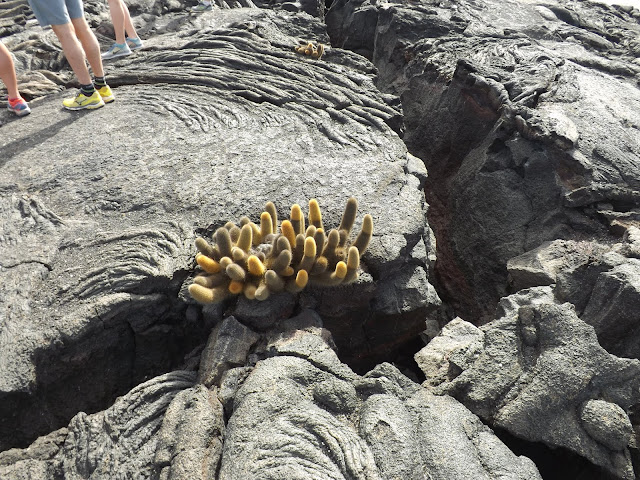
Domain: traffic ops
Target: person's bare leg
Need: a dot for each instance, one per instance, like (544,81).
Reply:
(90,45)
(128,24)
(118,19)
(8,72)
(73,51)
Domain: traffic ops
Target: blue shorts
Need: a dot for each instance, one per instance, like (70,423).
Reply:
(56,12)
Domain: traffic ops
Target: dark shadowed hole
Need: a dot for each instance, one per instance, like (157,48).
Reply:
(405,362)
(554,464)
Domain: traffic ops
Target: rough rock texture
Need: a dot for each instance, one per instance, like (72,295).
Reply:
(539,373)
(116,443)
(292,410)
(215,117)
(190,441)
(228,346)
(526,115)
(602,281)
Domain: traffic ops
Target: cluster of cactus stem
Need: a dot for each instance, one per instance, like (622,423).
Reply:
(311,50)
(258,260)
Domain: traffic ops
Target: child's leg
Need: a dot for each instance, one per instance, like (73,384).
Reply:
(128,24)
(118,19)
(8,72)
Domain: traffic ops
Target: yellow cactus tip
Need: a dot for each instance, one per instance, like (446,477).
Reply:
(236,287)
(309,247)
(288,231)
(250,291)
(266,224)
(315,215)
(302,278)
(341,270)
(296,212)
(209,265)
(206,295)
(245,239)
(353,258)
(255,266)
(367,224)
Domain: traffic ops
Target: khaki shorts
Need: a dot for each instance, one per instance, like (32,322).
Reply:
(56,12)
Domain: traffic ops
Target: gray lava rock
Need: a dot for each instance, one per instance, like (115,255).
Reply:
(531,373)
(302,414)
(119,442)
(614,308)
(602,281)
(190,441)
(526,117)
(213,118)
(228,346)
(607,423)
(296,412)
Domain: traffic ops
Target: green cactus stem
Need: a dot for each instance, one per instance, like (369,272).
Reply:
(235,272)
(266,225)
(353,264)
(223,241)
(281,264)
(315,215)
(262,292)
(270,208)
(208,295)
(210,281)
(274,281)
(245,238)
(297,219)
(309,254)
(364,237)
(349,215)
(206,249)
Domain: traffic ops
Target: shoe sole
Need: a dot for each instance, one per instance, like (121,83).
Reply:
(20,113)
(135,48)
(117,55)
(109,99)
(86,107)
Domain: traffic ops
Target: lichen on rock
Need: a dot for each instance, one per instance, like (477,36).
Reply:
(270,258)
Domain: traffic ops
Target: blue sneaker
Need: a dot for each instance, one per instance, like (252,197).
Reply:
(117,50)
(134,43)
(18,106)
(202,7)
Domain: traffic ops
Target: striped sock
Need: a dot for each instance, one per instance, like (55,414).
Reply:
(87,90)
(100,82)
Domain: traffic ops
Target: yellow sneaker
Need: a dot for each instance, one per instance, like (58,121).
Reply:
(82,101)
(106,94)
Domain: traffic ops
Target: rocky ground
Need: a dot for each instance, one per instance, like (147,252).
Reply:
(495,145)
